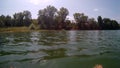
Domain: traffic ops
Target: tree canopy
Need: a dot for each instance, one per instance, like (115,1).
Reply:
(51,18)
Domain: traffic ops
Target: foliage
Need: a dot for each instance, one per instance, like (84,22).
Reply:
(100,22)
(19,19)
(51,18)
(85,23)
(46,17)
(109,24)
(62,14)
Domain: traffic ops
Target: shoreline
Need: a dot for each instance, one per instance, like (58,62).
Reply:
(19,29)
(14,29)
(26,29)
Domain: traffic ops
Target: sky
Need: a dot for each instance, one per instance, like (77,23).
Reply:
(91,8)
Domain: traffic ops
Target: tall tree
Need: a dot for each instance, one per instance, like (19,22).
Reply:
(107,24)
(18,18)
(100,22)
(110,24)
(8,21)
(80,19)
(62,14)
(92,24)
(46,17)
(27,18)
(2,20)
(115,24)
(77,17)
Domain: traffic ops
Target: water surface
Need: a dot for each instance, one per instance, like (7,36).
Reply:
(60,49)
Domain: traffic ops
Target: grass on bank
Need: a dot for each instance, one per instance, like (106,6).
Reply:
(15,29)
(32,27)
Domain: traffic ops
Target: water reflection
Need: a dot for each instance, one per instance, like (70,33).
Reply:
(57,53)
(72,36)
(35,37)
(52,43)
(51,38)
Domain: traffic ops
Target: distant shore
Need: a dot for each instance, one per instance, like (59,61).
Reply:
(18,29)
(15,29)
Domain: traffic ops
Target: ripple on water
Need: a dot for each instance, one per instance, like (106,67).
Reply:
(40,47)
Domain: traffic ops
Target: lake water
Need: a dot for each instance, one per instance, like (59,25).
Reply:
(60,49)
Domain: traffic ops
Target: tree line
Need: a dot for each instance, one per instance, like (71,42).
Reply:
(19,19)
(50,18)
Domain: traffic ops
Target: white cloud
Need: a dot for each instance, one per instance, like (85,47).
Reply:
(37,2)
(95,9)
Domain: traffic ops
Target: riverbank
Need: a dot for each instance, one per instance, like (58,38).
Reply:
(15,29)
(18,29)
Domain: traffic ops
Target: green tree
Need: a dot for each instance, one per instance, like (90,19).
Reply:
(68,24)
(110,24)
(77,17)
(81,20)
(2,20)
(27,18)
(62,14)
(92,24)
(5,21)
(46,17)
(8,21)
(107,24)
(18,19)
(115,25)
(100,22)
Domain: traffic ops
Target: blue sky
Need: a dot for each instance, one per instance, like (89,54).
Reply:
(92,8)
